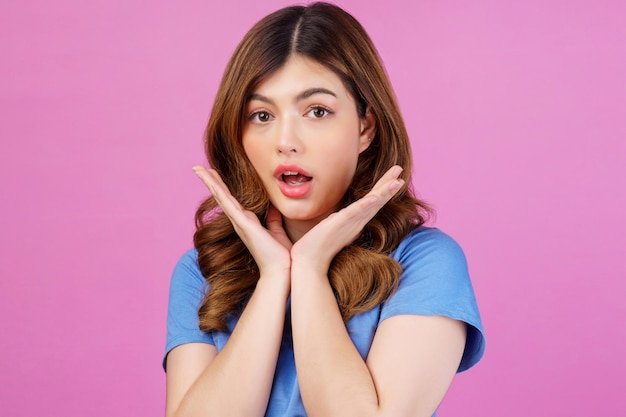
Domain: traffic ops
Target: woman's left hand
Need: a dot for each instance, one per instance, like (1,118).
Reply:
(318,246)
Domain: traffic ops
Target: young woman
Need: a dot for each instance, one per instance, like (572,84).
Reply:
(314,288)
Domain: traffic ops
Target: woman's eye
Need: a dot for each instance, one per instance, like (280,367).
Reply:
(318,112)
(260,116)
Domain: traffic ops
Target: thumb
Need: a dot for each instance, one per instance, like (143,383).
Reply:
(274,219)
(274,222)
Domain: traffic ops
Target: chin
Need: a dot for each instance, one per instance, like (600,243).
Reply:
(301,217)
(303,209)
(299,212)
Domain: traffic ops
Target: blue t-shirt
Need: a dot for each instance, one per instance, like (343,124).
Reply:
(435,281)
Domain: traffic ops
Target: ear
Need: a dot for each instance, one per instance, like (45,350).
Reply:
(367,130)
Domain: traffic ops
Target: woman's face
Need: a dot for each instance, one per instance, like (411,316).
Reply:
(303,136)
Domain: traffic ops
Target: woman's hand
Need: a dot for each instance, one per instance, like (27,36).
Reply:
(269,246)
(317,248)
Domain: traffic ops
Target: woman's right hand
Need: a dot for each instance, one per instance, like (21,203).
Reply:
(269,246)
(237,380)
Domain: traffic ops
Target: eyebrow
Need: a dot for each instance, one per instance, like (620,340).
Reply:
(303,95)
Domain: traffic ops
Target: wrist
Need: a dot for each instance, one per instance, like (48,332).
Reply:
(311,258)
(307,266)
(276,280)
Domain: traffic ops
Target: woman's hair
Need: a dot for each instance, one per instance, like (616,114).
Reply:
(362,275)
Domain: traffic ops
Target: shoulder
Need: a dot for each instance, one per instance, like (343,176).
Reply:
(431,260)
(187,285)
(428,246)
(187,290)
(188,262)
(435,281)
(427,238)
(187,271)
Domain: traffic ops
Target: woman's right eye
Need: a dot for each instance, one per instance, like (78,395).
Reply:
(260,117)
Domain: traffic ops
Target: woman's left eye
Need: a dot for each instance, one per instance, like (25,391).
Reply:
(318,112)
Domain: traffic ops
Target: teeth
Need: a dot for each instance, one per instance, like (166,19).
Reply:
(290,173)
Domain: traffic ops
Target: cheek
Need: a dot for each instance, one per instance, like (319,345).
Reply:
(253,151)
(257,154)
(343,150)
(342,165)
(343,138)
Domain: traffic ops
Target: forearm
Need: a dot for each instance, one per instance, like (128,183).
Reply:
(334,380)
(237,382)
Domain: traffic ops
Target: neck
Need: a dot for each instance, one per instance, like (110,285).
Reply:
(295,229)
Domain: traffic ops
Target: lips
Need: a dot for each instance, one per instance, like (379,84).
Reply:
(293,181)
(292,173)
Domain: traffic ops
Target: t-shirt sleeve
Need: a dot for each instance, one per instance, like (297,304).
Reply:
(435,281)
(187,290)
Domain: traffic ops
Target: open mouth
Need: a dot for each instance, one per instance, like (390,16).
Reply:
(293,181)
(294,178)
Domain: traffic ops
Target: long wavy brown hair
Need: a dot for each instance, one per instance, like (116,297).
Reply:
(363,274)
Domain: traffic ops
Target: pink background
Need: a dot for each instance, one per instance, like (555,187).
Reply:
(517,115)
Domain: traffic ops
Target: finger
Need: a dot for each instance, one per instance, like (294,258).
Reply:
(384,189)
(213,181)
(219,191)
(363,210)
(389,182)
(274,219)
(274,223)
(204,176)
(210,178)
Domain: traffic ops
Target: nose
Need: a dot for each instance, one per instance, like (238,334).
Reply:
(288,138)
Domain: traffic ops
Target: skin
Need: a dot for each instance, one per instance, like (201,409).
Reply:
(303,115)
(412,359)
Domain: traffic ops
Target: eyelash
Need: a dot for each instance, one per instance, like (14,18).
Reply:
(318,108)
(255,115)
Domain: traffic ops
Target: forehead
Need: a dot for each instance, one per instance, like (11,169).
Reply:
(298,74)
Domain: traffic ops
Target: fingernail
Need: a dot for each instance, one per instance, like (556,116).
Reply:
(397,170)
